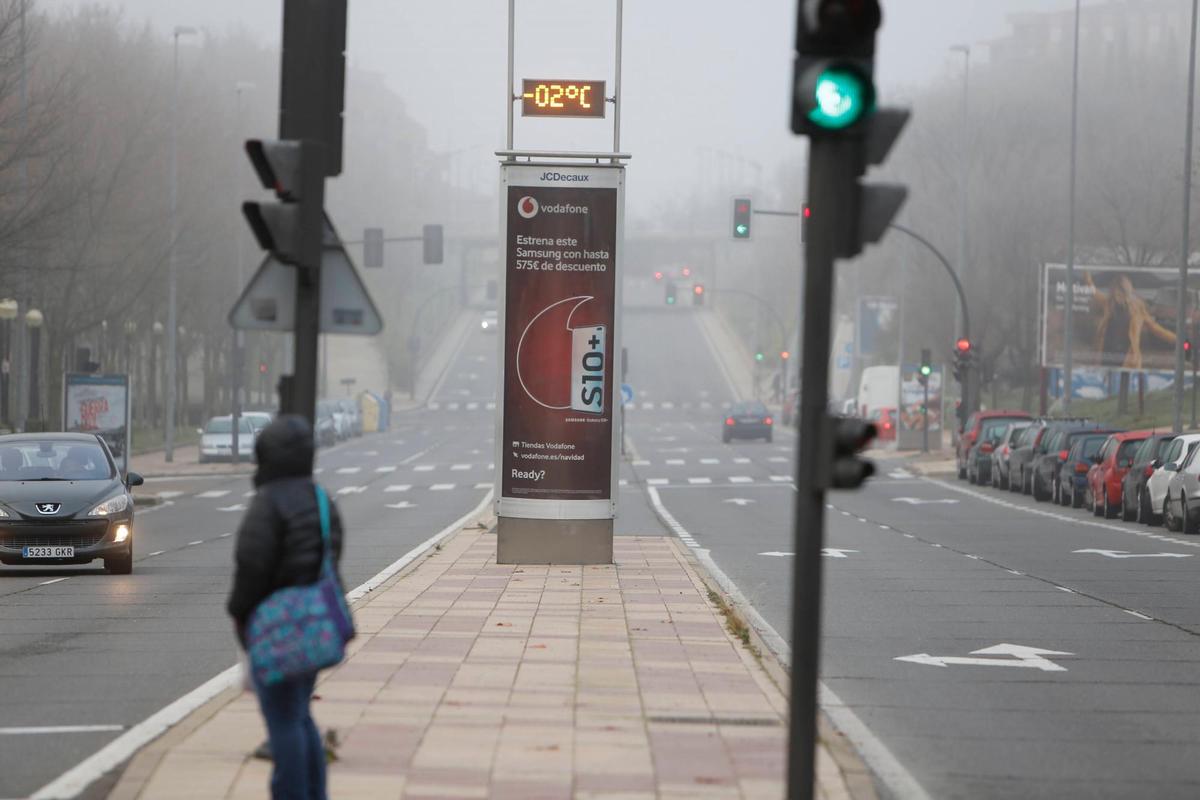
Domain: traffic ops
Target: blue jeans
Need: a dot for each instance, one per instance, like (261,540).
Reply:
(296,748)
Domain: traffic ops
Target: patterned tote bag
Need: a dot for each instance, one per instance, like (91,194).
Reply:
(301,629)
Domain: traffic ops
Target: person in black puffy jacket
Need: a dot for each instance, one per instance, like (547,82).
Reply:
(279,545)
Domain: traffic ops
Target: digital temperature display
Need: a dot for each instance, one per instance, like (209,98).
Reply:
(559,98)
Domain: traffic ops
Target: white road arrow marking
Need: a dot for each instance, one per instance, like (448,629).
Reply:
(900,474)
(917,501)
(740,501)
(776,554)
(1127,554)
(236,507)
(402,504)
(1015,656)
(833,552)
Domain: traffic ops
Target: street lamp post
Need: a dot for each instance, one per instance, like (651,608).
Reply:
(156,331)
(1069,302)
(8,312)
(237,366)
(964,194)
(33,321)
(172,268)
(1181,326)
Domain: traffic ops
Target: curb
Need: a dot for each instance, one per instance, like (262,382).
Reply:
(128,779)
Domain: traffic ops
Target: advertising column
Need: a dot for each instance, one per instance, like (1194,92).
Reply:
(556,439)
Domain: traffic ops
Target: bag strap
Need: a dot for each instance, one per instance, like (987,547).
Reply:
(326,536)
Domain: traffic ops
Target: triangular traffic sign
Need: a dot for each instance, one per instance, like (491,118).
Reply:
(268,302)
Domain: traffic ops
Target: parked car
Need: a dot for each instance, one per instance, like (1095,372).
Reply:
(747,420)
(1001,455)
(1022,454)
(353,415)
(258,419)
(979,457)
(1147,458)
(1048,455)
(885,424)
(216,439)
(1105,476)
(1071,487)
(341,422)
(1183,495)
(971,432)
(63,501)
(1156,488)
(325,431)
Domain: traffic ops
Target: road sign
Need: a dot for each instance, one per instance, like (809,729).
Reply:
(268,303)
(626,394)
(1015,655)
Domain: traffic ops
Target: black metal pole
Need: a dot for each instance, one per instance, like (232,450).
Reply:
(831,185)
(308,284)
(925,415)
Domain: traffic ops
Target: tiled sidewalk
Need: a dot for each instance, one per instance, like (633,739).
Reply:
(473,680)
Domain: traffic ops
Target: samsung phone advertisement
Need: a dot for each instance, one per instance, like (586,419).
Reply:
(560,337)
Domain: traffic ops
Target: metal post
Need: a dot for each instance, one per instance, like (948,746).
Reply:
(1186,247)
(237,365)
(832,175)
(508,89)
(969,398)
(172,267)
(925,414)
(617,81)
(24,299)
(1068,311)
(308,283)
(1193,390)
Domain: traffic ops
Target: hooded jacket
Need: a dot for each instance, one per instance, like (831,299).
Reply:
(279,539)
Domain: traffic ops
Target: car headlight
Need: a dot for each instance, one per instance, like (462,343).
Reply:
(112,505)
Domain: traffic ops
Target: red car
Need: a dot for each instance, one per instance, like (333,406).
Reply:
(1105,476)
(885,424)
(971,430)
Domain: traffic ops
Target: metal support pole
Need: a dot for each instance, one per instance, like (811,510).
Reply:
(617,80)
(1068,311)
(1186,246)
(832,175)
(237,367)
(925,422)
(508,88)
(308,283)
(172,266)
(964,176)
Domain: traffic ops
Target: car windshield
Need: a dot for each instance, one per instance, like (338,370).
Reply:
(993,429)
(48,460)
(1090,446)
(749,409)
(225,425)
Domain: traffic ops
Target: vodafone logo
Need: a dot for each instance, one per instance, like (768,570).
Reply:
(527,207)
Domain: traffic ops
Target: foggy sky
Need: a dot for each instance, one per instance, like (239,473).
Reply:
(704,82)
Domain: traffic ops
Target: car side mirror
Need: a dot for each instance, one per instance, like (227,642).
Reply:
(1156,463)
(1171,468)
(133,479)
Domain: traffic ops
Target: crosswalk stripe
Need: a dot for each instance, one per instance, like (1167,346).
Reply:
(399,487)
(491,406)
(699,480)
(349,470)
(385,469)
(352,490)
(459,467)
(648,406)
(710,461)
(441,487)
(453,406)
(781,478)
(434,406)
(741,461)
(641,462)
(777,460)
(168,495)
(657,482)
(212,494)
(675,462)
(483,485)
(472,406)
(740,479)
(423,468)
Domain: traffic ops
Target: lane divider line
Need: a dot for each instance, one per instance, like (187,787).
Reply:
(75,780)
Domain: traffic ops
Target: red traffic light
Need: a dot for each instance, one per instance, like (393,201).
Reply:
(785,355)
(1187,345)
(658,276)
(687,271)
(262,368)
(743,207)
(698,289)
(963,345)
(807,211)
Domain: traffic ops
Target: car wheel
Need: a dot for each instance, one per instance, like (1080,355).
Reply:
(1095,503)
(725,438)
(1038,493)
(1076,501)
(1187,525)
(962,473)
(1107,509)
(1146,514)
(1128,514)
(1168,520)
(1001,481)
(1026,484)
(120,565)
(770,438)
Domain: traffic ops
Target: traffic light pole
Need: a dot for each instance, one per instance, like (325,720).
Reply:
(925,421)
(833,173)
(308,284)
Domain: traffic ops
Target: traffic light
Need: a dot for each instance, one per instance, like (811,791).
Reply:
(805,216)
(833,99)
(759,356)
(742,213)
(373,247)
(670,293)
(687,272)
(658,276)
(926,367)
(784,355)
(262,368)
(281,166)
(431,244)
(698,294)
(1187,348)
(962,359)
(850,437)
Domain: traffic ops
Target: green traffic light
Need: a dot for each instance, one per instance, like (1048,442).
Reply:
(926,370)
(670,301)
(843,97)
(758,356)
(742,230)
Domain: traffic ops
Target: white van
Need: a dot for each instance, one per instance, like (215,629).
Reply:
(878,387)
